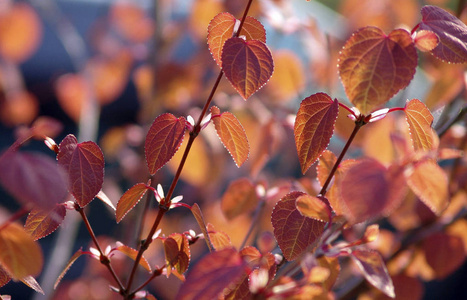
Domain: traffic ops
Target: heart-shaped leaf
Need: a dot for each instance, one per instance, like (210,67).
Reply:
(41,223)
(163,140)
(314,126)
(248,65)
(129,200)
(451,31)
(419,118)
(232,135)
(84,163)
(374,66)
(240,197)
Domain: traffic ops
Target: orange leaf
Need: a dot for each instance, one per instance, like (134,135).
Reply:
(232,135)
(67,267)
(374,66)
(444,253)
(4,278)
(240,197)
(248,65)
(41,223)
(332,264)
(252,29)
(426,40)
(129,200)
(72,90)
(132,253)
(131,22)
(371,233)
(314,126)
(219,239)
(199,218)
(313,207)
(20,255)
(429,182)
(184,254)
(419,118)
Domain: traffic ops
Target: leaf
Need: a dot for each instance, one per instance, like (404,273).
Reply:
(163,140)
(103,197)
(202,225)
(33,178)
(184,254)
(33,284)
(426,40)
(129,200)
(372,266)
(239,198)
(84,163)
(419,118)
(132,253)
(451,31)
(313,207)
(219,239)
(4,278)
(41,223)
(211,275)
(248,65)
(67,267)
(374,66)
(314,126)
(20,255)
(232,135)
(332,264)
(444,253)
(294,233)
(429,182)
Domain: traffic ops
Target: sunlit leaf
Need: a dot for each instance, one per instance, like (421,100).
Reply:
(20,255)
(131,22)
(163,139)
(33,178)
(332,264)
(19,108)
(41,223)
(219,239)
(426,40)
(4,278)
(374,66)
(72,90)
(132,253)
(239,198)
(372,266)
(211,275)
(314,126)
(313,207)
(129,200)
(248,65)
(231,134)
(294,232)
(451,31)
(184,254)
(420,119)
(33,284)
(202,225)
(67,267)
(84,163)
(444,253)
(371,233)
(104,198)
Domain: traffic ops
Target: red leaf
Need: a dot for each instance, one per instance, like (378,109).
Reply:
(84,163)
(211,275)
(232,135)
(163,140)
(239,198)
(444,253)
(370,190)
(374,66)
(451,31)
(132,253)
(184,254)
(67,267)
(196,211)
(293,232)
(314,126)
(41,223)
(313,207)
(33,178)
(372,266)
(248,65)
(129,200)
(4,278)
(419,118)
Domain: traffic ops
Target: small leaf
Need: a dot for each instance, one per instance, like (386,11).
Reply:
(163,140)
(220,240)
(33,284)
(84,163)
(451,31)
(211,275)
(313,207)
(132,253)
(426,41)
(103,197)
(332,264)
(196,211)
(429,182)
(419,118)
(372,266)
(184,254)
(314,126)
(20,255)
(294,232)
(232,135)
(248,65)
(374,66)
(239,198)
(129,200)
(67,267)
(444,253)
(371,233)
(41,223)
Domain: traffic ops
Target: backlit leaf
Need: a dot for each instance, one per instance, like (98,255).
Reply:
(219,239)
(132,253)
(163,139)
(426,40)
(72,90)
(313,207)
(294,232)
(84,163)
(314,126)
(374,66)
(451,31)
(420,119)
(239,198)
(41,223)
(33,178)
(248,65)
(332,264)
(211,275)
(231,134)
(372,266)
(67,267)
(430,183)
(196,211)
(129,200)
(20,255)
(444,253)
(33,284)
(184,254)
(4,278)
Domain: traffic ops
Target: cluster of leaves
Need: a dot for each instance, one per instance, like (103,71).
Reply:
(315,229)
